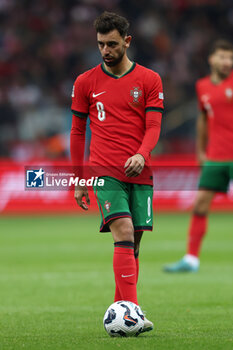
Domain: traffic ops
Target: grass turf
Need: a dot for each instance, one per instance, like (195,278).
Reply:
(56,282)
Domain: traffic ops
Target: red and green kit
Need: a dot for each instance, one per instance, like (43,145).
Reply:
(125,116)
(118,108)
(216,101)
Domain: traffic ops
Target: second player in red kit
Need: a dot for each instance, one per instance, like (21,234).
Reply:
(216,101)
(214,147)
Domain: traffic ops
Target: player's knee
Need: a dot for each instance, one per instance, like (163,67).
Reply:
(124,233)
(122,230)
(201,206)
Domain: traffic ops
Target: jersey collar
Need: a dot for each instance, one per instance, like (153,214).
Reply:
(115,76)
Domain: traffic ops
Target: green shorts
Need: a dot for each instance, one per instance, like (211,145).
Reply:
(117,199)
(216,176)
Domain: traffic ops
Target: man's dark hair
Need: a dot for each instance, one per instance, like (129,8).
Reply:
(221,45)
(109,21)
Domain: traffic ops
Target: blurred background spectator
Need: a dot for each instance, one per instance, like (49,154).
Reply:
(45,44)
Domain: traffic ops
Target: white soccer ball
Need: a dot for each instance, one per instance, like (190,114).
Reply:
(123,319)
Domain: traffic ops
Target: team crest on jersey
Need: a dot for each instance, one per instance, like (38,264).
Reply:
(107,206)
(229,93)
(136,93)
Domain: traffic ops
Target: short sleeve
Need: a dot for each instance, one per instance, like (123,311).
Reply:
(199,100)
(154,93)
(80,100)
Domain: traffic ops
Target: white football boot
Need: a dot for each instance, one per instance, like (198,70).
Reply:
(148,325)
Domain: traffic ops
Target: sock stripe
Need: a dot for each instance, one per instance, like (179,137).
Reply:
(199,215)
(124,244)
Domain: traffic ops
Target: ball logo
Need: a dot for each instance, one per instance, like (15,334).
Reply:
(35,178)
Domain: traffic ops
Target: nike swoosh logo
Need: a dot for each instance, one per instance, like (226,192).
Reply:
(95,95)
(127,275)
(147,221)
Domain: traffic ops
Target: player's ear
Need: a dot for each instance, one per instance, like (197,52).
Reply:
(128,39)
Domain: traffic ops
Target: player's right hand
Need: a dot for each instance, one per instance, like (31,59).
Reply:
(79,193)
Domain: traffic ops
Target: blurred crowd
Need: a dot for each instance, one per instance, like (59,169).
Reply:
(45,44)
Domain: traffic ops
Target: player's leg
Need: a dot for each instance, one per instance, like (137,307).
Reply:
(198,224)
(197,230)
(148,325)
(124,264)
(137,239)
(142,215)
(214,178)
(113,204)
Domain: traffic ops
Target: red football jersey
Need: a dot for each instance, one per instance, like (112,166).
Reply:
(117,109)
(217,102)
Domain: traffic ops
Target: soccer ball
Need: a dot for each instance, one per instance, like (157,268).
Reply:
(123,319)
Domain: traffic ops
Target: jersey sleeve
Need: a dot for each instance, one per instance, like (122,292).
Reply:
(151,137)
(80,100)
(154,93)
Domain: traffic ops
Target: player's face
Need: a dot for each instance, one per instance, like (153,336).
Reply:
(221,62)
(112,47)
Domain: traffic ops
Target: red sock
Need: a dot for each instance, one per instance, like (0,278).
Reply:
(124,267)
(117,291)
(197,230)
(117,296)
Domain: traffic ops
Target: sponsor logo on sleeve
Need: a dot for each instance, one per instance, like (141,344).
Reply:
(229,94)
(72,95)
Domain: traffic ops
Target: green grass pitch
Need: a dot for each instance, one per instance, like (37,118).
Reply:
(56,282)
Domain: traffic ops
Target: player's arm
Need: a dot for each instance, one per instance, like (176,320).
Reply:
(153,109)
(77,139)
(77,146)
(202,137)
(135,164)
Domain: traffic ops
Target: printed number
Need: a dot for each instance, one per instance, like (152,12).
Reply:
(148,206)
(101,111)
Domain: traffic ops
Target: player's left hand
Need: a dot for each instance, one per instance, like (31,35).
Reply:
(134,165)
